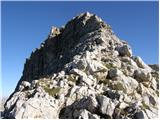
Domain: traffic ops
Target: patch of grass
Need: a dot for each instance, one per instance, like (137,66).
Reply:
(102,70)
(124,72)
(109,65)
(118,86)
(157,92)
(145,106)
(104,81)
(72,78)
(43,82)
(86,71)
(52,91)
(101,76)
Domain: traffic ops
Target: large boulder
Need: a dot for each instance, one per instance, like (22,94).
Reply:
(106,106)
(124,51)
(140,63)
(142,75)
(125,84)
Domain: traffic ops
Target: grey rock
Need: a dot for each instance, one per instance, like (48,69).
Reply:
(81,64)
(154,66)
(54,31)
(80,114)
(140,63)
(154,84)
(114,73)
(83,70)
(84,114)
(125,51)
(61,83)
(26,84)
(139,115)
(151,114)
(106,105)
(142,75)
(125,84)
(112,95)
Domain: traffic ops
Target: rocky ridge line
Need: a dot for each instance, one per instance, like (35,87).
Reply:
(83,70)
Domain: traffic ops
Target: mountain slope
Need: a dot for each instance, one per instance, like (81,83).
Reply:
(83,70)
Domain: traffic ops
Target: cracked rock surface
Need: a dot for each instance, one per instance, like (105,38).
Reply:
(83,70)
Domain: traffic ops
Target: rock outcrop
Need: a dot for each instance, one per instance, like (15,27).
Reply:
(83,70)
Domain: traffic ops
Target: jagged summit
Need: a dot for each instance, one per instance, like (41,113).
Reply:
(80,25)
(83,70)
(83,33)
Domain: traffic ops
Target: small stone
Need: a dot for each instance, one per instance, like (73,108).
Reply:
(123,105)
(139,115)
(81,64)
(26,84)
(61,83)
(82,114)
(112,95)
(152,100)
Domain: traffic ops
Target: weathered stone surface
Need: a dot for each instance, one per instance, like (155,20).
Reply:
(140,63)
(114,73)
(83,70)
(84,114)
(139,115)
(125,84)
(106,105)
(125,51)
(112,94)
(142,75)
(154,67)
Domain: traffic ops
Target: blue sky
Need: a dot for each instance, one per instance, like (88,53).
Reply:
(26,24)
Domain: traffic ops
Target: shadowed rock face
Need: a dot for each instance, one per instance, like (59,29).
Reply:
(83,70)
(60,49)
(155,67)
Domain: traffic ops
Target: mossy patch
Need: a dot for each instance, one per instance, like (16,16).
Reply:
(109,65)
(72,78)
(101,76)
(52,91)
(104,81)
(125,72)
(144,105)
(44,82)
(118,86)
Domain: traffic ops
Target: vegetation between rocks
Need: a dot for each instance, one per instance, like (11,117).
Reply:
(52,91)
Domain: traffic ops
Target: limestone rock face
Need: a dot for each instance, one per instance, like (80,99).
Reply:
(83,70)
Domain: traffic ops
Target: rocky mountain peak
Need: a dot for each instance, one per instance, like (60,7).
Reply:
(83,33)
(83,70)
